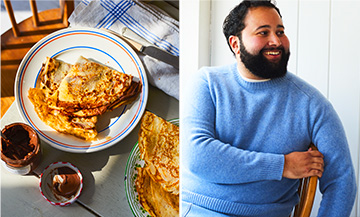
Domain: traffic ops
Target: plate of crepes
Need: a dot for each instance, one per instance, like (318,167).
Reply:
(152,170)
(81,89)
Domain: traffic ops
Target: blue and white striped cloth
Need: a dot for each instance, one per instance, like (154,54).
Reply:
(146,21)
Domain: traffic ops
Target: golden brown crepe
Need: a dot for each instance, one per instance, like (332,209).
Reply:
(52,73)
(80,93)
(158,182)
(90,85)
(154,198)
(83,127)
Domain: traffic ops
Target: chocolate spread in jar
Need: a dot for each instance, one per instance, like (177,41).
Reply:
(66,182)
(20,151)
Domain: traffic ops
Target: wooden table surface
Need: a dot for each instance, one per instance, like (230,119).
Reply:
(104,188)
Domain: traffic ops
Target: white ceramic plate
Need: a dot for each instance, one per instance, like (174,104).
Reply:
(134,161)
(67,45)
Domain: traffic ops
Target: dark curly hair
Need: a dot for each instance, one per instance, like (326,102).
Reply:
(234,22)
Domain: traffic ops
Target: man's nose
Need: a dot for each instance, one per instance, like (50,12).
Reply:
(274,40)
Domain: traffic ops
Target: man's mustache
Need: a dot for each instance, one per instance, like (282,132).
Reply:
(281,48)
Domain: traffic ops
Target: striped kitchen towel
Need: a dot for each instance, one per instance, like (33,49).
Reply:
(146,21)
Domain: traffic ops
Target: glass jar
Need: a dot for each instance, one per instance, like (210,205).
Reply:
(20,151)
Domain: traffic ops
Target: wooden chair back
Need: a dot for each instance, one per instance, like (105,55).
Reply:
(306,191)
(63,12)
(18,40)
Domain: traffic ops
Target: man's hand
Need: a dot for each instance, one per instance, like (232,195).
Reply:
(303,164)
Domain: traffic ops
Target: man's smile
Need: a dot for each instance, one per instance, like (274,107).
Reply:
(273,54)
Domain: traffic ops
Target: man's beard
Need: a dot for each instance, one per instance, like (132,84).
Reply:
(258,65)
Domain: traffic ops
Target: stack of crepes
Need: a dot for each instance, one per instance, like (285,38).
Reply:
(158,181)
(69,98)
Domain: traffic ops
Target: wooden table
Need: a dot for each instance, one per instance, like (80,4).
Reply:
(104,171)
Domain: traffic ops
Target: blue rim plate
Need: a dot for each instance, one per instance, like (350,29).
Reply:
(67,45)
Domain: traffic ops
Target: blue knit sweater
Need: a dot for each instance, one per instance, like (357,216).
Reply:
(235,133)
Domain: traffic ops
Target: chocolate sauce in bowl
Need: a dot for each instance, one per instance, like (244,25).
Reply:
(66,182)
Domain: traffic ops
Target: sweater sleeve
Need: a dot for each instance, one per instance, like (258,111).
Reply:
(211,159)
(338,184)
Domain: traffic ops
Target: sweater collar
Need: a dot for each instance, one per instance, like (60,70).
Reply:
(262,84)
(253,80)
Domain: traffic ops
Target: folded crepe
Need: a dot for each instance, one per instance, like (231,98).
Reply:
(82,127)
(80,92)
(155,199)
(158,182)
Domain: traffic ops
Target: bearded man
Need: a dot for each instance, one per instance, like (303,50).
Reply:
(246,129)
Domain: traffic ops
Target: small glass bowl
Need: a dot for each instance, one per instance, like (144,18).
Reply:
(13,155)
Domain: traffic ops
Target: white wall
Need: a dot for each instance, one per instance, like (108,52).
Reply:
(324,45)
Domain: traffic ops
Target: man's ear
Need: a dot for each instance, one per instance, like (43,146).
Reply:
(234,44)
